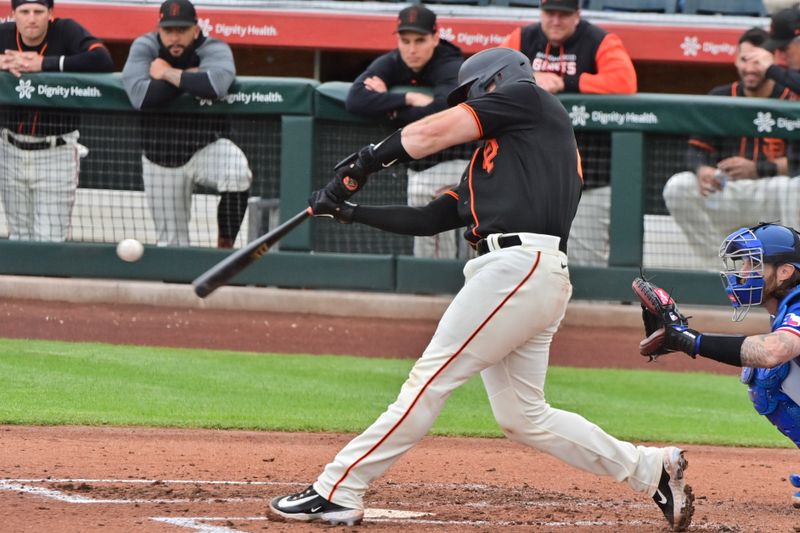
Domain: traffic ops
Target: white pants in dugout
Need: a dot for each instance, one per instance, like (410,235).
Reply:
(501,324)
(220,165)
(425,186)
(707,220)
(38,186)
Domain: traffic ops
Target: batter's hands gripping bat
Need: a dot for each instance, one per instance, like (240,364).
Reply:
(221,273)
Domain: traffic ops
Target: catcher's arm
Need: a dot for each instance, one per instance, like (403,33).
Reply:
(667,330)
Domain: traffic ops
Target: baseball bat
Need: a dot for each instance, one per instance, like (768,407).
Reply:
(221,273)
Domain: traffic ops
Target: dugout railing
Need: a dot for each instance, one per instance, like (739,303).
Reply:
(294,130)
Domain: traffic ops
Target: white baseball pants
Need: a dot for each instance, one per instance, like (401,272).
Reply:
(221,165)
(707,220)
(589,238)
(38,186)
(425,186)
(500,324)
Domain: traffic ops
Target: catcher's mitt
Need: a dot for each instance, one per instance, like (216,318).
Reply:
(659,311)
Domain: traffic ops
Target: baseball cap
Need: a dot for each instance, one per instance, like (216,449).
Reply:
(46,3)
(177,14)
(785,26)
(560,5)
(417,18)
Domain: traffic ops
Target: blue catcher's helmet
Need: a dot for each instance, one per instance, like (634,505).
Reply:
(744,253)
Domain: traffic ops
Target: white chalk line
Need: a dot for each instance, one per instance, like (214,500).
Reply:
(374,515)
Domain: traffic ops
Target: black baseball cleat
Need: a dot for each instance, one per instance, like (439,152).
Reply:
(308,506)
(673,496)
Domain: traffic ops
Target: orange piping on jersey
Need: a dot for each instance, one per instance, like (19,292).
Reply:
(475,116)
(580,165)
(19,44)
(472,194)
(734,86)
(95,45)
(701,145)
(438,373)
(513,40)
(452,194)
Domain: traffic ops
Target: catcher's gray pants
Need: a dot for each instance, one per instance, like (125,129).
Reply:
(500,324)
(221,165)
(38,186)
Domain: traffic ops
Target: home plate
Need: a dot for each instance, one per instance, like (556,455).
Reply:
(392,513)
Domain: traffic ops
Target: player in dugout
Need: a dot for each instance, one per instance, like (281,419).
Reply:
(571,55)
(181,151)
(39,150)
(779,57)
(422,63)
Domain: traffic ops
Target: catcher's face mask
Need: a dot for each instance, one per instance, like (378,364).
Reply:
(743,276)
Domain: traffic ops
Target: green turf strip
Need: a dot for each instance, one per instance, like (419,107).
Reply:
(47,383)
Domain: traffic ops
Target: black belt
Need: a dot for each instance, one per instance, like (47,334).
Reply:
(35,145)
(504,241)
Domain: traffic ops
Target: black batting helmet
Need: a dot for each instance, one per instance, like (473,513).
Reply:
(499,65)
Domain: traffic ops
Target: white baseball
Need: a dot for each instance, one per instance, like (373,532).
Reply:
(130,250)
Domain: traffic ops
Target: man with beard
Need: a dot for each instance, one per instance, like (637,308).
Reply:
(181,151)
(734,181)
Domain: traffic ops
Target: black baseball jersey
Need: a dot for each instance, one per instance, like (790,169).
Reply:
(81,53)
(710,150)
(526,177)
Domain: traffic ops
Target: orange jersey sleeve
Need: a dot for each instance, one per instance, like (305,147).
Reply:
(615,72)
(513,40)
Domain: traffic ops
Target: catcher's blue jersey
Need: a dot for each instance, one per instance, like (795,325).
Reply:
(775,392)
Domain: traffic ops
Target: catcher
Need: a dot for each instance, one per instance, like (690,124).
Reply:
(761,266)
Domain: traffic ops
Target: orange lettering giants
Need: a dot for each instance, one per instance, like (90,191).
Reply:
(490,149)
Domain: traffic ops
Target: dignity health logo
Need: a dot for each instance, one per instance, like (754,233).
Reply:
(764,123)
(25,89)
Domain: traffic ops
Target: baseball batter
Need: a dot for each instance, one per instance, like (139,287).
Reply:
(516,198)
(761,267)
(39,151)
(181,151)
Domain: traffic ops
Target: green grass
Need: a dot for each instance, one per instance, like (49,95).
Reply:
(47,383)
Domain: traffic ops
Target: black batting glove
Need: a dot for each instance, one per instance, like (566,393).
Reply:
(323,204)
(352,172)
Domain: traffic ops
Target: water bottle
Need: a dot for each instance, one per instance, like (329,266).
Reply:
(714,199)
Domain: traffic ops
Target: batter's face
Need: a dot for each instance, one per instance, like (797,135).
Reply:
(416,49)
(32,21)
(751,76)
(558,26)
(177,40)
